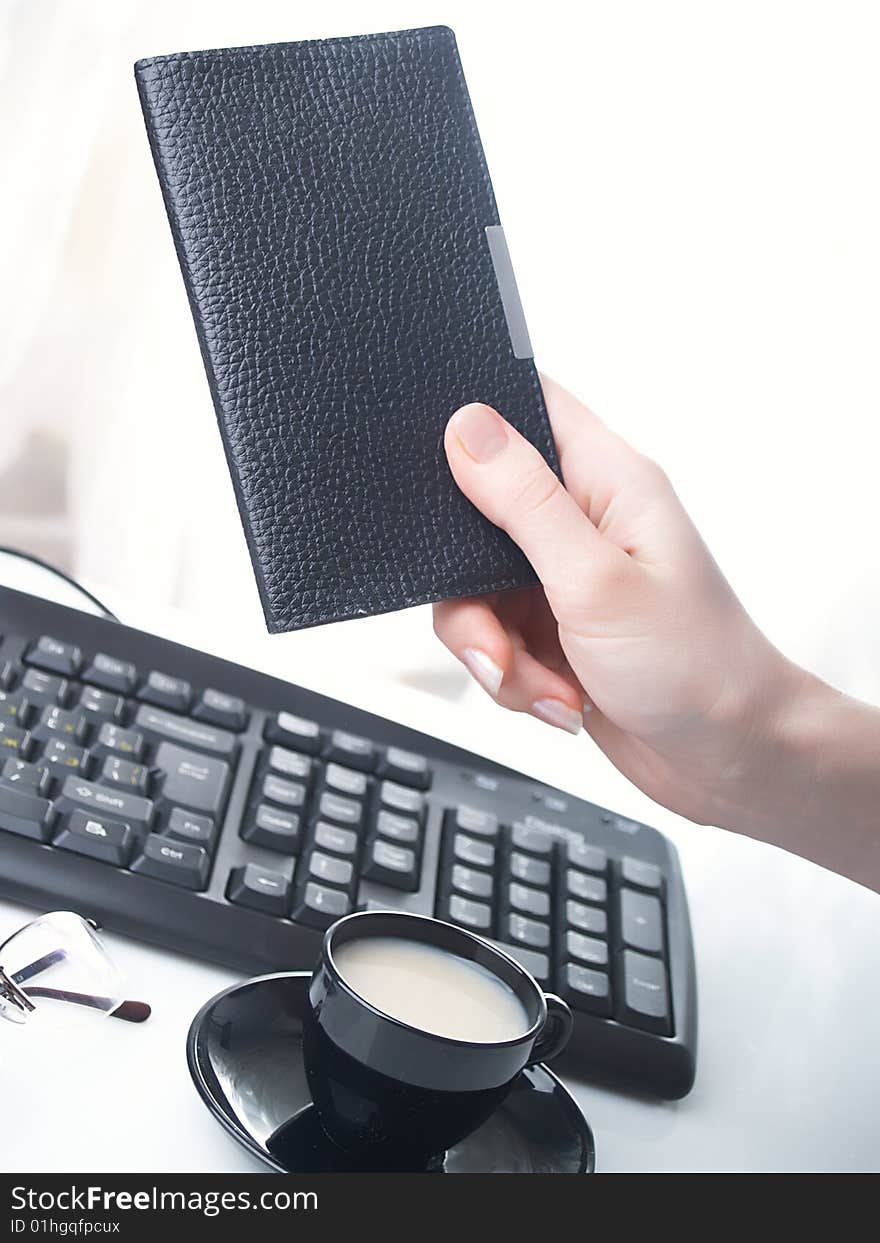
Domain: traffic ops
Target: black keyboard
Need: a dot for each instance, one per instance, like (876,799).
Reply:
(207,808)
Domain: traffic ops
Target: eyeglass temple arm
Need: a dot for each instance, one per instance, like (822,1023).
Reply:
(41,964)
(129,1011)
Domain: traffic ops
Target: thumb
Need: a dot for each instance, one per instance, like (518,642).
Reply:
(509,481)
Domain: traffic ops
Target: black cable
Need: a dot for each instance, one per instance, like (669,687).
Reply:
(53,569)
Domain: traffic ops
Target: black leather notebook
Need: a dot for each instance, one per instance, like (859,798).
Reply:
(350,285)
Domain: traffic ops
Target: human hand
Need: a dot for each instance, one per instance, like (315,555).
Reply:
(633,632)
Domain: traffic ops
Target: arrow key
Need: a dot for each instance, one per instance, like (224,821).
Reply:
(260,888)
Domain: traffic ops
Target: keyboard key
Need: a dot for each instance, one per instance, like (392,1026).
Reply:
(14,708)
(471,882)
(99,703)
(294,732)
(406,767)
(586,949)
(117,772)
(392,865)
(25,814)
(586,857)
(44,688)
(54,656)
(586,888)
(290,763)
(533,871)
(286,793)
(531,901)
(201,737)
(260,888)
(218,708)
(397,828)
(132,808)
(352,751)
(112,674)
(107,840)
(174,862)
(331,837)
(587,918)
(275,829)
(345,781)
(7,674)
(319,906)
(399,798)
(641,921)
(186,826)
(470,914)
(645,994)
(192,780)
(114,740)
(642,875)
(14,739)
(60,754)
(527,932)
(29,778)
(166,692)
(586,990)
(60,723)
(537,964)
(330,871)
(342,810)
(532,841)
(475,853)
(471,820)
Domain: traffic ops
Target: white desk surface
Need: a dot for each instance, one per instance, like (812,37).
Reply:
(788,964)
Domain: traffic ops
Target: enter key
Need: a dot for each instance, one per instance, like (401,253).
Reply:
(189,779)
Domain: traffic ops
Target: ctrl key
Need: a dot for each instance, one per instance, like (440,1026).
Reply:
(645,994)
(260,888)
(174,862)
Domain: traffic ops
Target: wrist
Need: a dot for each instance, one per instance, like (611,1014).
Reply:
(769,753)
(808,780)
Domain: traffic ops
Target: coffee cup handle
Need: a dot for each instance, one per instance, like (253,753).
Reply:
(555,1033)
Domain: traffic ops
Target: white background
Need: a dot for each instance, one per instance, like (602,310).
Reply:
(691,194)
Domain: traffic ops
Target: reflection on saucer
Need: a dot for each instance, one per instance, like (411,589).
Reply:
(245,1056)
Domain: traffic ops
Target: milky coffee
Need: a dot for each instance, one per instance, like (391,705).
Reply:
(432,989)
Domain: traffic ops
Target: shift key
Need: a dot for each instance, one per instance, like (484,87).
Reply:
(181,729)
(190,779)
(131,808)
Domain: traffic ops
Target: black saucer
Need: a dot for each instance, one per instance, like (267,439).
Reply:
(245,1056)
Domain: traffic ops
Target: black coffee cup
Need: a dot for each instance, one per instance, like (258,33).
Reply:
(395,1096)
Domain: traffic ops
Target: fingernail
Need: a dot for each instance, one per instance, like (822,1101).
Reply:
(480,431)
(555,712)
(484,669)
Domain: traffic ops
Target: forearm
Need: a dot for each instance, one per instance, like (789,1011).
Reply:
(814,785)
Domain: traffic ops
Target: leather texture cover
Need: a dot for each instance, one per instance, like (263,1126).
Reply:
(329,202)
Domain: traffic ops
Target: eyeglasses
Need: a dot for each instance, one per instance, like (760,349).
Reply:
(60,958)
